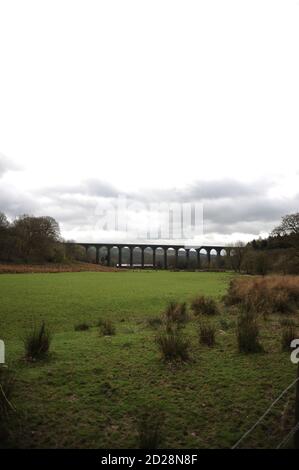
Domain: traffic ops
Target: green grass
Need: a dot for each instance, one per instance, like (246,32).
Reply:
(92,389)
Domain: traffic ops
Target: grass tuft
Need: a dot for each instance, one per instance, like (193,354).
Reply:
(287,335)
(173,345)
(287,322)
(107,327)
(37,343)
(207,333)
(81,326)
(7,383)
(176,312)
(248,334)
(6,391)
(226,324)
(150,428)
(202,305)
(154,322)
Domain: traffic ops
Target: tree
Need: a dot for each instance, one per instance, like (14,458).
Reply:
(262,263)
(248,262)
(30,238)
(36,237)
(6,239)
(288,230)
(4,223)
(74,251)
(289,226)
(237,255)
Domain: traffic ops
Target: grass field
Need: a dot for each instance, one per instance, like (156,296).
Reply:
(92,389)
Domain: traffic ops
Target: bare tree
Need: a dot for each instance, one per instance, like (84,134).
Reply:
(289,226)
(4,223)
(288,231)
(36,236)
(237,255)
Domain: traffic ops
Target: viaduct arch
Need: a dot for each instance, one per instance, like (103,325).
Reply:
(142,246)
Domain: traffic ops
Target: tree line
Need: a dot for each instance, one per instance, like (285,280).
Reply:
(277,253)
(32,239)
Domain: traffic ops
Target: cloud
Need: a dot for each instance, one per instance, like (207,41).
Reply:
(202,190)
(230,207)
(224,189)
(88,187)
(14,202)
(6,165)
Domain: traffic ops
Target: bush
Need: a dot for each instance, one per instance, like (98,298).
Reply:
(287,336)
(81,326)
(149,429)
(207,333)
(37,342)
(248,334)
(204,306)
(173,345)
(107,327)
(176,312)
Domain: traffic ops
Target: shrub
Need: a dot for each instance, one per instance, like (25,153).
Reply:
(176,312)
(82,326)
(6,392)
(248,334)
(107,328)
(287,336)
(37,342)
(207,333)
(149,429)
(173,345)
(204,306)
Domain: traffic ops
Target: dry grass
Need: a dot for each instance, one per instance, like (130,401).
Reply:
(287,336)
(54,268)
(271,294)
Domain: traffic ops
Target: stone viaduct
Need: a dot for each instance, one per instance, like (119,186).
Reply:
(142,246)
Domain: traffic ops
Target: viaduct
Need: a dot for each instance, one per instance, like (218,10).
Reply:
(131,247)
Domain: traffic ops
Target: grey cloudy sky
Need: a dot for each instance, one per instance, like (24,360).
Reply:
(162,101)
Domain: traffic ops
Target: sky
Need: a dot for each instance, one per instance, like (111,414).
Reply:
(193,103)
